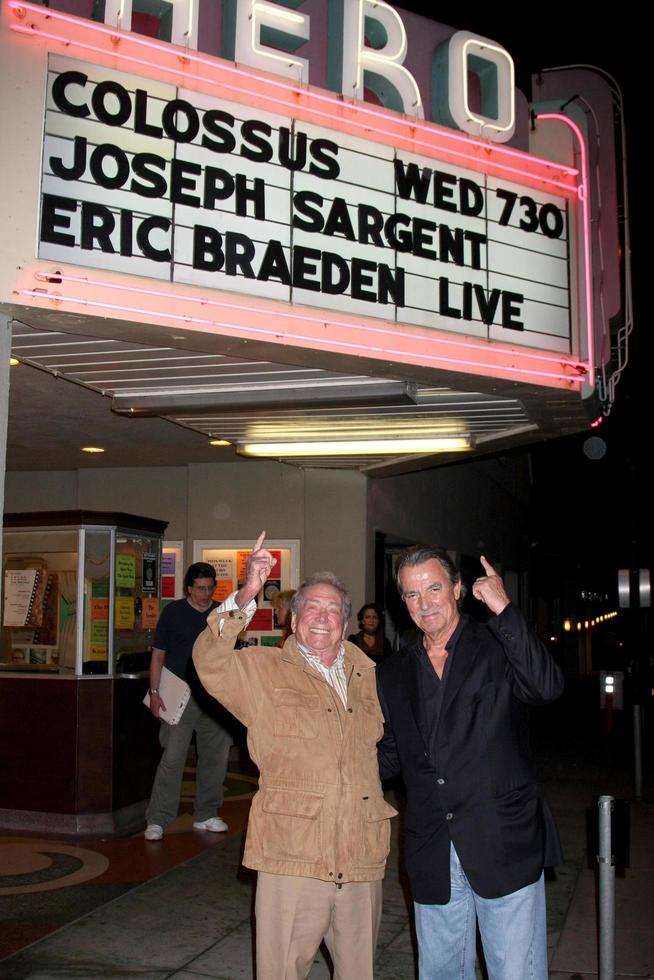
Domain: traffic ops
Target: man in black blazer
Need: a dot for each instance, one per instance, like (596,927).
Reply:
(478,833)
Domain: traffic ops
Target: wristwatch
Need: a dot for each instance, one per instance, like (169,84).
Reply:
(152,690)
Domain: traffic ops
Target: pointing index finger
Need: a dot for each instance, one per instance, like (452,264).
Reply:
(259,542)
(488,568)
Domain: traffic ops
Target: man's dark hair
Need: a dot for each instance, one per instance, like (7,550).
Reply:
(199,569)
(418,554)
(323,578)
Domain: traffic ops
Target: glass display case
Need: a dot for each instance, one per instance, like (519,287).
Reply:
(81,591)
(81,597)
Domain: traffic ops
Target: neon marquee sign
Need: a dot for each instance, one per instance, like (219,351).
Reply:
(200,176)
(366,48)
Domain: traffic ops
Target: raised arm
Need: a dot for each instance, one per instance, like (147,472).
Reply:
(535,676)
(224,672)
(489,589)
(258,568)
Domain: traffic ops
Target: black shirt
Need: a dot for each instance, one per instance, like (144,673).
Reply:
(432,686)
(178,628)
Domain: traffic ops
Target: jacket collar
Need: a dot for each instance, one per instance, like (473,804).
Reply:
(353,656)
(464,655)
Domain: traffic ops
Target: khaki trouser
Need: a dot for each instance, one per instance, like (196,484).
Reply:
(295,914)
(213,744)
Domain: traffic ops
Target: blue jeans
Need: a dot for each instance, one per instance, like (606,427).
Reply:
(513,932)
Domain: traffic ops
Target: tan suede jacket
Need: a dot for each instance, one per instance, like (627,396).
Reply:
(319,811)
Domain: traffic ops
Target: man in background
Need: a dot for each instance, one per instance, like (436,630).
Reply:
(180,624)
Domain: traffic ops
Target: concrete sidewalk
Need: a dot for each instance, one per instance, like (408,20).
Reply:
(574,954)
(195,920)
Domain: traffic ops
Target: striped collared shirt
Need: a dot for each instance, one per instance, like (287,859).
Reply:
(334,675)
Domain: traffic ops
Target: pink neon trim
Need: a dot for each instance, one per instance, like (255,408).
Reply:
(285,86)
(53,278)
(583,197)
(290,91)
(334,103)
(391,138)
(95,304)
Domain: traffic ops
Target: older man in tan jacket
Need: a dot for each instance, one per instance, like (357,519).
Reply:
(319,826)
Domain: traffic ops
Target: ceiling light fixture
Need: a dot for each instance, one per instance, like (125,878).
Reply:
(363,447)
(234,398)
(219,442)
(92,449)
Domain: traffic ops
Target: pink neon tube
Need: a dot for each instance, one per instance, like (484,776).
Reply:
(55,278)
(275,335)
(435,141)
(583,197)
(425,136)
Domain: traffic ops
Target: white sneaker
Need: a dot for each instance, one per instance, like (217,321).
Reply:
(153,832)
(215,824)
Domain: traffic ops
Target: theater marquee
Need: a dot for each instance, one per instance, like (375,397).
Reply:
(152,179)
(240,198)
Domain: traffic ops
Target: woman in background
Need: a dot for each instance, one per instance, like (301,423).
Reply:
(282,614)
(370,637)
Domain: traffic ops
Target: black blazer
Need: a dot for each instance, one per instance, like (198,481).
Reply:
(474,784)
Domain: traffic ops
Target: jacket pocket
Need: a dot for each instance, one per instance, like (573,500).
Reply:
(295,713)
(374,839)
(371,722)
(292,825)
(520,823)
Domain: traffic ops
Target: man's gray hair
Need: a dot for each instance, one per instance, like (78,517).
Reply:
(323,578)
(418,554)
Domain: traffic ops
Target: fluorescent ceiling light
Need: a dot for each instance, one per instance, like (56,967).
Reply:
(235,398)
(363,447)
(92,449)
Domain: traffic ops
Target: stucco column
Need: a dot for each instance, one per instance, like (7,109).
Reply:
(5,350)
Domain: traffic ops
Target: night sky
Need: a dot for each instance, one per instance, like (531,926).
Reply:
(598,511)
(593,513)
